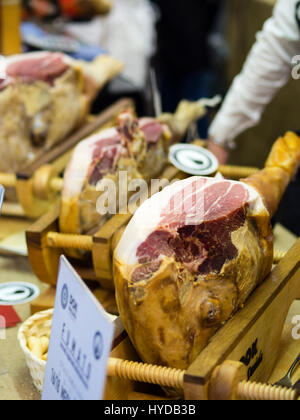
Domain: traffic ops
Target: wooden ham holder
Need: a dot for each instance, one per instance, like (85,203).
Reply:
(245,349)
(46,244)
(39,184)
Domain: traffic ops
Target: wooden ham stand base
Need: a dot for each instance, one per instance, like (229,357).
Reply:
(38,185)
(46,244)
(245,349)
(252,336)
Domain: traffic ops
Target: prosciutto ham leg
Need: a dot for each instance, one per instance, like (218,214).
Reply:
(192,255)
(133,146)
(137,146)
(43,98)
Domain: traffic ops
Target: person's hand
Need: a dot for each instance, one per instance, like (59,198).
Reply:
(221,153)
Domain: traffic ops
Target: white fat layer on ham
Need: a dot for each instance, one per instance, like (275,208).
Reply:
(148,218)
(79,165)
(39,54)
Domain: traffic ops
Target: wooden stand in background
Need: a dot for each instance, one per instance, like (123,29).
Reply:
(39,184)
(10,27)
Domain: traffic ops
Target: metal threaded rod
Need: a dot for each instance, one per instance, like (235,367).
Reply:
(62,240)
(258,392)
(142,372)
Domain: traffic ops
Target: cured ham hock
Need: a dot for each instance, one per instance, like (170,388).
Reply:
(192,255)
(138,147)
(44,96)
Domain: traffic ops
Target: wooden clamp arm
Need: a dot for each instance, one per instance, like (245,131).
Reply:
(227,381)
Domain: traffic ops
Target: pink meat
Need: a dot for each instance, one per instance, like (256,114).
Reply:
(152,130)
(103,144)
(46,68)
(196,226)
(105,156)
(105,165)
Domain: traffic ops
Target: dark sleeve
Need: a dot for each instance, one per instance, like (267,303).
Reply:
(182,33)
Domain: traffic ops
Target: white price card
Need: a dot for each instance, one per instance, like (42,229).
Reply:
(81,339)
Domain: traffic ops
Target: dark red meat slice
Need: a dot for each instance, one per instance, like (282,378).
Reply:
(105,165)
(157,244)
(205,246)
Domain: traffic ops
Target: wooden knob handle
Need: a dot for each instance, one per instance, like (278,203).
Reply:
(228,383)
(56,184)
(62,240)
(8,180)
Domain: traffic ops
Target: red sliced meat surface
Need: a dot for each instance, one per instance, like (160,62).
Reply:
(103,144)
(197,225)
(105,156)
(152,130)
(128,127)
(46,68)
(106,164)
